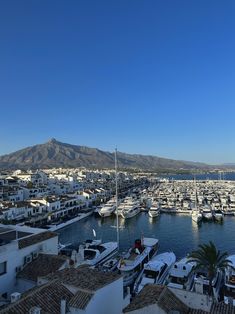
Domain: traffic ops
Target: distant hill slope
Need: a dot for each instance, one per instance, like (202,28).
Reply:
(57,154)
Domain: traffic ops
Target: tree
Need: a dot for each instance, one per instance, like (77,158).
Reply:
(208,258)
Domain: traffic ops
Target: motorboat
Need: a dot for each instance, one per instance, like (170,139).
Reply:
(196,215)
(154,210)
(155,271)
(131,263)
(201,283)
(206,212)
(217,214)
(108,208)
(229,285)
(131,209)
(181,276)
(62,246)
(91,252)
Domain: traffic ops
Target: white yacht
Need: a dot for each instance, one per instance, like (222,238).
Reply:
(131,209)
(196,214)
(154,210)
(217,214)
(229,286)
(108,208)
(132,262)
(181,275)
(155,271)
(201,283)
(94,252)
(206,212)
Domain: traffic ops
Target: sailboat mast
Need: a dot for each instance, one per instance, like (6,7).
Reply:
(116,179)
(195,186)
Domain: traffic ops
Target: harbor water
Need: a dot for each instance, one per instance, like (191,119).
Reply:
(177,233)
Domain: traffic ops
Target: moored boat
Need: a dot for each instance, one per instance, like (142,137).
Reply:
(154,210)
(196,215)
(217,214)
(155,271)
(108,208)
(132,262)
(201,283)
(206,212)
(131,209)
(229,285)
(181,275)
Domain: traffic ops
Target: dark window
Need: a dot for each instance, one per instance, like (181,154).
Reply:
(3,268)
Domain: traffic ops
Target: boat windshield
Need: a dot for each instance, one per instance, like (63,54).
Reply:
(229,292)
(89,254)
(178,280)
(205,289)
(150,273)
(100,248)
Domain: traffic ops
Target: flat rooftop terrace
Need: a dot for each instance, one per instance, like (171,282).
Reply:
(7,235)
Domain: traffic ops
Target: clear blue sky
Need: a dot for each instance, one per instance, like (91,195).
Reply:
(148,76)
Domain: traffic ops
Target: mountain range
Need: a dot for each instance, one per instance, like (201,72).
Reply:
(55,154)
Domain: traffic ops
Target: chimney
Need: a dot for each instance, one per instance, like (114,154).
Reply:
(35,310)
(15,296)
(63,307)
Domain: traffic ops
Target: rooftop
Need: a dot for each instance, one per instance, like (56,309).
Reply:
(43,265)
(168,302)
(47,297)
(81,299)
(84,278)
(8,234)
(36,238)
(150,294)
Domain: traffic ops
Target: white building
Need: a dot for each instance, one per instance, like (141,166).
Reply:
(73,291)
(19,246)
(43,265)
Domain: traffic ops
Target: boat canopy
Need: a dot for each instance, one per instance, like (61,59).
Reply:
(150,242)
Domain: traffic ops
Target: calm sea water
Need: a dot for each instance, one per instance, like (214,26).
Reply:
(175,232)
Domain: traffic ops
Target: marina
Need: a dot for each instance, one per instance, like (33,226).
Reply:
(177,233)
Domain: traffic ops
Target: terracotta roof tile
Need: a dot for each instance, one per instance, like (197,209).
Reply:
(148,295)
(81,299)
(47,297)
(43,265)
(84,277)
(168,301)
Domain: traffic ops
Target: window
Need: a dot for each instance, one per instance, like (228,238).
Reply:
(3,268)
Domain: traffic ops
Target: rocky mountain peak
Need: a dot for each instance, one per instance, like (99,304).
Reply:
(52,141)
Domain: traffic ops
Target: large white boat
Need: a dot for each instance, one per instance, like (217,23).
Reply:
(207,212)
(196,215)
(229,286)
(181,275)
(131,209)
(154,210)
(108,208)
(217,214)
(94,252)
(155,271)
(132,262)
(201,283)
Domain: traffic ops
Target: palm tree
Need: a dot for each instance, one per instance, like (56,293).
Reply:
(208,258)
